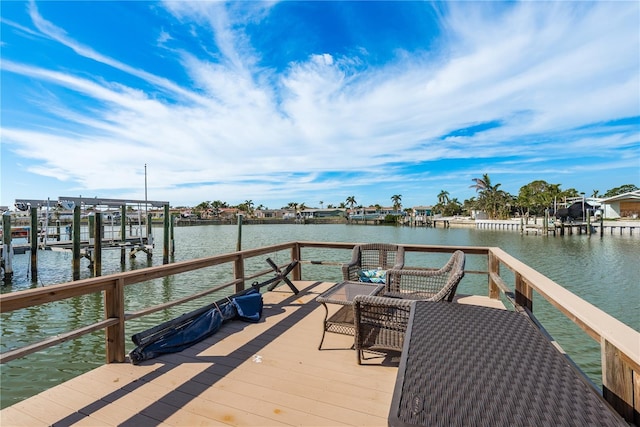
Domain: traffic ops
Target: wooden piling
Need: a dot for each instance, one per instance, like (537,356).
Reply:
(92,234)
(123,223)
(75,261)
(239,241)
(173,237)
(149,237)
(97,245)
(165,235)
(123,235)
(7,249)
(34,244)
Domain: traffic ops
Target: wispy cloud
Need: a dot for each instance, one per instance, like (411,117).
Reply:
(240,129)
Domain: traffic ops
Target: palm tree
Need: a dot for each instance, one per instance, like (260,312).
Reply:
(481,184)
(293,206)
(321,203)
(216,205)
(249,206)
(490,198)
(396,199)
(443,197)
(351,201)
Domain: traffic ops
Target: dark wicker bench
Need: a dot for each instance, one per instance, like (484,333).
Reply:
(465,365)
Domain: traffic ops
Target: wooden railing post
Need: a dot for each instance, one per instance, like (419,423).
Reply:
(620,384)
(494,267)
(524,293)
(296,274)
(238,271)
(115,336)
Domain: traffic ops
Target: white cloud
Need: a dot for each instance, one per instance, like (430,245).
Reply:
(541,70)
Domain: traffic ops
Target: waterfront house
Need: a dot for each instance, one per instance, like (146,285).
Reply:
(625,205)
(322,213)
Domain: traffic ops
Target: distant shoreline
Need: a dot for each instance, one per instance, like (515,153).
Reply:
(452,222)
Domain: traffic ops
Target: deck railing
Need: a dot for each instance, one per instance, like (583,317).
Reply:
(619,343)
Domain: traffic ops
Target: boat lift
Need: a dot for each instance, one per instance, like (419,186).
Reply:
(71,206)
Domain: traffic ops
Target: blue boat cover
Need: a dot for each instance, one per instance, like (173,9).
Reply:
(186,331)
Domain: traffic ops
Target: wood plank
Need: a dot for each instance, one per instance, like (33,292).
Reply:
(43,409)
(14,416)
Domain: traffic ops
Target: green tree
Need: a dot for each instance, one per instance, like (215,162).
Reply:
(452,207)
(216,205)
(537,196)
(627,188)
(396,199)
(351,201)
(495,202)
(200,208)
(443,197)
(469,205)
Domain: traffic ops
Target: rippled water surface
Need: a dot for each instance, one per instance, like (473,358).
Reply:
(604,271)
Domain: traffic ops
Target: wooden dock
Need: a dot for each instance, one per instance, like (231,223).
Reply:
(562,228)
(271,372)
(268,373)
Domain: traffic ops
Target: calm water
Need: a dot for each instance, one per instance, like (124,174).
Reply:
(604,271)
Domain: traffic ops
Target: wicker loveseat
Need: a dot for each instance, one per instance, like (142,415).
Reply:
(372,257)
(427,284)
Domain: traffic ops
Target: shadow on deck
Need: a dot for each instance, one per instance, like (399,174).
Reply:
(266,373)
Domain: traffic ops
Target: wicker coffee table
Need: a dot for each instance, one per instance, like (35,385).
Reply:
(341,322)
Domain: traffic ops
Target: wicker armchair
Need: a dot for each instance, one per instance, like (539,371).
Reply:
(380,323)
(427,284)
(373,256)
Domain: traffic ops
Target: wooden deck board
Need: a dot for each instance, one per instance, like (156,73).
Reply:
(267,373)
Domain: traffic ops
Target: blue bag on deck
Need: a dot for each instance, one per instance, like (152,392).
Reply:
(191,328)
(249,306)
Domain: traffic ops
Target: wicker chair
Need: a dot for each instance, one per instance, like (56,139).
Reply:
(373,256)
(427,284)
(380,323)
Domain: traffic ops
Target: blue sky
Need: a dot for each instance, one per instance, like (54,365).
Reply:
(304,102)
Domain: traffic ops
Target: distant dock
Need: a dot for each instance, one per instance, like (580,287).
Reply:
(566,228)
